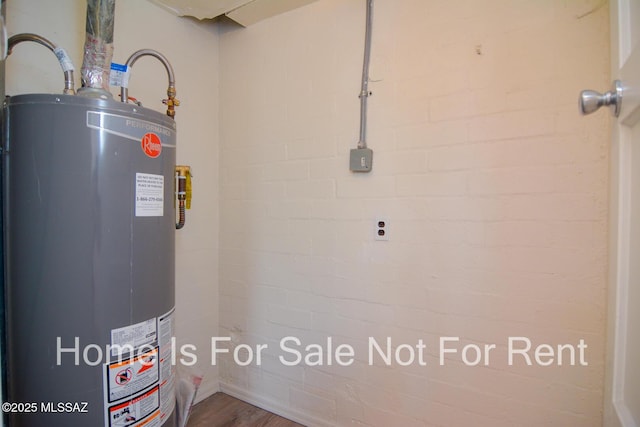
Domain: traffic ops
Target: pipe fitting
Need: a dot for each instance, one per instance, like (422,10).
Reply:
(171,102)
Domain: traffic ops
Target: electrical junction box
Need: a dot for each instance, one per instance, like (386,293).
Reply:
(361,160)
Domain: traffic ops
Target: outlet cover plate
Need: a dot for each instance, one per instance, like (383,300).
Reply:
(381,229)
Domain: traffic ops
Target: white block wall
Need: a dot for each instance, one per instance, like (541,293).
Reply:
(495,188)
(192,49)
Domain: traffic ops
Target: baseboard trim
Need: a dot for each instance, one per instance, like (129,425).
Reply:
(207,388)
(273,406)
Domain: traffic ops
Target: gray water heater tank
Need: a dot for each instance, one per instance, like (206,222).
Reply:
(89,240)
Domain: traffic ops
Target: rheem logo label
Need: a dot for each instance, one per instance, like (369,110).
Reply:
(151,145)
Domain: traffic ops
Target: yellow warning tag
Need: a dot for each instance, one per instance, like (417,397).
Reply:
(188,189)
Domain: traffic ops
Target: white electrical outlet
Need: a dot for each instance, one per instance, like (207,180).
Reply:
(381,229)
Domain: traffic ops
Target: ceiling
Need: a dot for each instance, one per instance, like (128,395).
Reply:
(245,12)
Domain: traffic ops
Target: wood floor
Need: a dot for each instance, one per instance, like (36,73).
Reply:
(221,410)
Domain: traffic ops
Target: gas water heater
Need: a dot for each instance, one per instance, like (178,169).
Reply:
(89,223)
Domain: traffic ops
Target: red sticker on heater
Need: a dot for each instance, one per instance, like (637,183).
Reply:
(151,145)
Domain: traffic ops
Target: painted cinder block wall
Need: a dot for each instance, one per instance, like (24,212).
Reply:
(494,186)
(192,49)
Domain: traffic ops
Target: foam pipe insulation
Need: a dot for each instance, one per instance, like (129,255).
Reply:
(98,46)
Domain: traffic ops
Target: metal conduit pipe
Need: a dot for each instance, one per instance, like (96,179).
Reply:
(171,102)
(63,58)
(361,158)
(364,91)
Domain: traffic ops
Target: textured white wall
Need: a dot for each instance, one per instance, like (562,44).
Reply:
(495,188)
(192,49)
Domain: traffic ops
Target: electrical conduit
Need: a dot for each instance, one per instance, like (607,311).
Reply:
(364,91)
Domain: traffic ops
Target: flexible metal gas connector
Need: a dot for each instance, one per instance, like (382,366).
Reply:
(171,102)
(61,54)
(182,194)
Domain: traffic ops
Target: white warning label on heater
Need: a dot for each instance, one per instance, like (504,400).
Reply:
(133,336)
(139,411)
(166,332)
(133,375)
(149,195)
